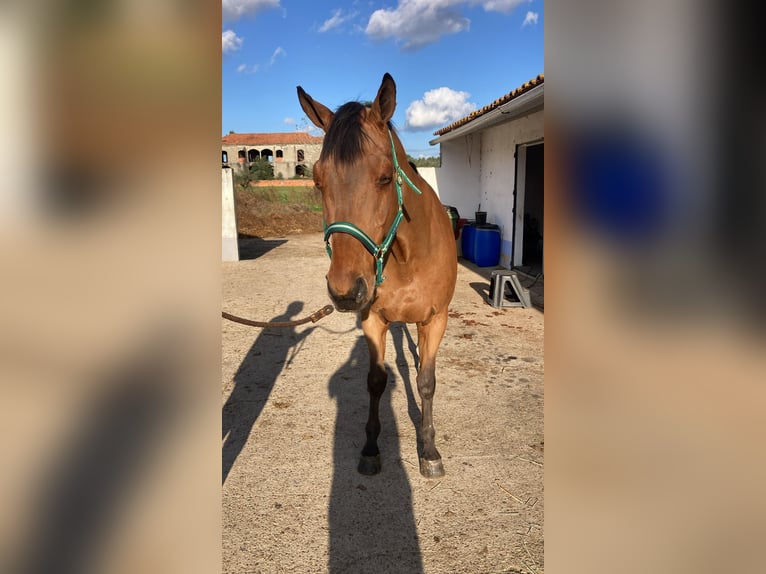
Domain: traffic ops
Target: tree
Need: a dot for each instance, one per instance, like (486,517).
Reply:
(242,179)
(426,161)
(261,168)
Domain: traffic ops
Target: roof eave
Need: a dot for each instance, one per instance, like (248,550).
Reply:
(525,103)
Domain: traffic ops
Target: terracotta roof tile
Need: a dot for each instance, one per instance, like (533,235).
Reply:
(281,138)
(489,107)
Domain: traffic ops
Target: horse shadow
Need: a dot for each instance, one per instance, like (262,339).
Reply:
(400,333)
(254,380)
(371,518)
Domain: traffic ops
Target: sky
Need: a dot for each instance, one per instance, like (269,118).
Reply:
(447,57)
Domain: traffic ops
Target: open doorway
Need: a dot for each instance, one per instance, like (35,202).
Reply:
(528,208)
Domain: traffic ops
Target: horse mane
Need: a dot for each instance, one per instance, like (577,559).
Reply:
(343,140)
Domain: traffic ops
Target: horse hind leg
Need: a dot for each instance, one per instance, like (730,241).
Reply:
(429,338)
(375,330)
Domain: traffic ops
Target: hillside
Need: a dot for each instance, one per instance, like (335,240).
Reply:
(277,209)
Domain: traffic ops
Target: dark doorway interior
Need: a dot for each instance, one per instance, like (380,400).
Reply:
(532,256)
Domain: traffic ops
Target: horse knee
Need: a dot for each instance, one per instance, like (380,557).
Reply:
(376,380)
(426,383)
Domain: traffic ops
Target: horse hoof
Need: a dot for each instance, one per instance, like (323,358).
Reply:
(431,468)
(369,465)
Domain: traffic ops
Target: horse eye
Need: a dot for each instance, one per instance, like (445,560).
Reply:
(385,180)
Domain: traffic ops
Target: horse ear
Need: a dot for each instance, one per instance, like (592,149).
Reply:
(385,102)
(319,114)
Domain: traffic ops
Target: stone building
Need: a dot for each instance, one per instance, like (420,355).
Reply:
(291,153)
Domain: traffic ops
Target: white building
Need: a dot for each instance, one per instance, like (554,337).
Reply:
(492,161)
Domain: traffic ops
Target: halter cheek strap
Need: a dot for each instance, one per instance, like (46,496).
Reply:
(377,251)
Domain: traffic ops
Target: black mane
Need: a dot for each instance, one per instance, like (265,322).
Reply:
(343,141)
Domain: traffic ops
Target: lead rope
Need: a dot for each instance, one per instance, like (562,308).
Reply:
(313,318)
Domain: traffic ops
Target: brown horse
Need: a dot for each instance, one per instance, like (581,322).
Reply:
(391,246)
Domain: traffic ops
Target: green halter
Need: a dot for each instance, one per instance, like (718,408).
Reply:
(377,251)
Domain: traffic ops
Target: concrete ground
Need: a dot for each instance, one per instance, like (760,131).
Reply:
(294,410)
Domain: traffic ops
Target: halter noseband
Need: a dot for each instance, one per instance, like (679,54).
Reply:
(377,251)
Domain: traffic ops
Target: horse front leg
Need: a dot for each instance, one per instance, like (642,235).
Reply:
(429,338)
(375,329)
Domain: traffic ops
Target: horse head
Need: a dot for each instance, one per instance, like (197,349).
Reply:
(357,174)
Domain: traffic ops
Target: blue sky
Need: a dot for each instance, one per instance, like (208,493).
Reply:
(447,57)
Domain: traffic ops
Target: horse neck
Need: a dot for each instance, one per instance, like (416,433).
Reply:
(415,227)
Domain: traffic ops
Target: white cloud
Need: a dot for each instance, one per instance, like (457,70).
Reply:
(531,18)
(278,52)
(230,42)
(417,23)
(236,9)
(504,6)
(438,107)
(245,69)
(290,121)
(337,19)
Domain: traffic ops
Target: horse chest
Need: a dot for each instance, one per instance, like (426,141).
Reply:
(403,305)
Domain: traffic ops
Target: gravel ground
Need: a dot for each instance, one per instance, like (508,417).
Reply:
(294,410)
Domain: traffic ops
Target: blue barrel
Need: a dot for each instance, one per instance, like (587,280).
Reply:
(468,240)
(486,249)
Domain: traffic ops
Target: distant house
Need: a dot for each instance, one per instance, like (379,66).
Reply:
(492,161)
(292,153)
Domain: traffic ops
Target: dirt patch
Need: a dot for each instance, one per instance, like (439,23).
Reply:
(294,409)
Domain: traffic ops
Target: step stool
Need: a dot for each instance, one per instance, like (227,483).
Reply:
(504,285)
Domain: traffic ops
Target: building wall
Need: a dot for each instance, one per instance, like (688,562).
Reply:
(229,242)
(285,165)
(480,170)
(458,178)
(498,173)
(429,174)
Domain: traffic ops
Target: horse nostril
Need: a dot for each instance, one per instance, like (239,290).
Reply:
(360,288)
(351,300)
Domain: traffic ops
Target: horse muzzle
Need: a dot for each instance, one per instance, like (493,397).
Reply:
(352,300)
